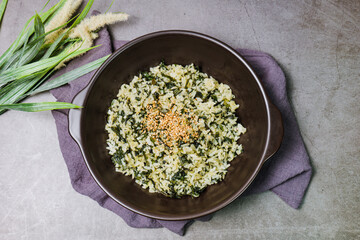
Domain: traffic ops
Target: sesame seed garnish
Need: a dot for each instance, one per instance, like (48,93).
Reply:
(169,127)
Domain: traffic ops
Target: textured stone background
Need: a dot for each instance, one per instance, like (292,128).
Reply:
(316,43)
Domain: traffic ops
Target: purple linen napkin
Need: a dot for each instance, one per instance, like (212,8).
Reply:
(287,173)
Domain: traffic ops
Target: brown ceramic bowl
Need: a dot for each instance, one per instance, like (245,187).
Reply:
(261,119)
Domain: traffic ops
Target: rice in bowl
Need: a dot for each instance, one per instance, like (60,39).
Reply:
(174,130)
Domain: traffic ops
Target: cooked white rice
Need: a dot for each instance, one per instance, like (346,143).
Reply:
(174,130)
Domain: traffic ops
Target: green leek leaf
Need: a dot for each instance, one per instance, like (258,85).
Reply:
(2,8)
(70,76)
(15,91)
(29,69)
(55,45)
(39,31)
(83,14)
(18,42)
(31,60)
(16,55)
(37,107)
(28,30)
(48,15)
(39,66)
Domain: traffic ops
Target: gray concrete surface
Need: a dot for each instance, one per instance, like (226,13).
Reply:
(317,44)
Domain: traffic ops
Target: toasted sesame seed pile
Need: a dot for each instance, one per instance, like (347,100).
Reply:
(168,126)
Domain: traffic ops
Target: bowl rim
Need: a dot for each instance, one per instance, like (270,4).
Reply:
(85,92)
